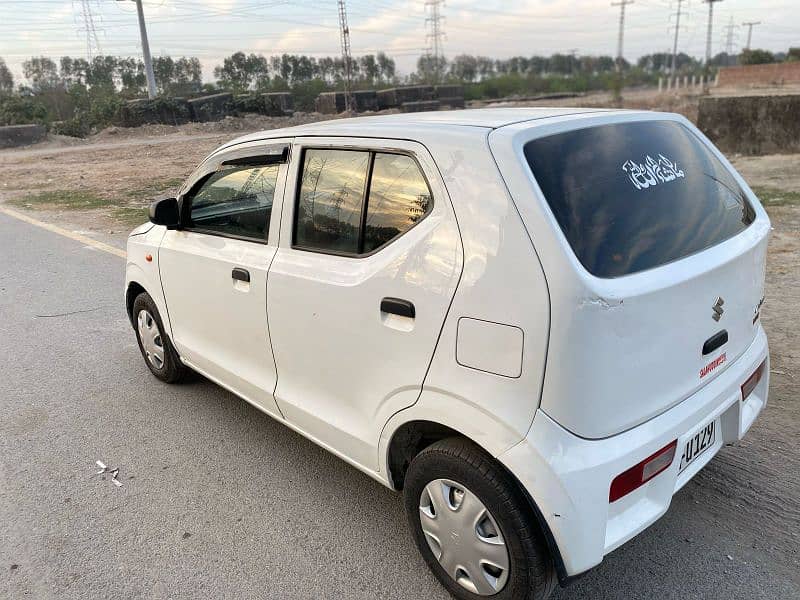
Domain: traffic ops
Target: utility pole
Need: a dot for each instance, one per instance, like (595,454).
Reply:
(344,35)
(436,35)
(622,4)
(710,28)
(708,38)
(148,63)
(675,45)
(749,25)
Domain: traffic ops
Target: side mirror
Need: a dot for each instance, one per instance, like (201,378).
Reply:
(165,212)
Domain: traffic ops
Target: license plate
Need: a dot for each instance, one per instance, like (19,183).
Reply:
(697,444)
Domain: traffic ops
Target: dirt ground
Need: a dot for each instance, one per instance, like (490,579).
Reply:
(101,186)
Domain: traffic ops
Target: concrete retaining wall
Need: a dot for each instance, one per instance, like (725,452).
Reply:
(330,103)
(277,104)
(365,100)
(134,113)
(760,75)
(421,106)
(752,124)
(210,108)
(13,136)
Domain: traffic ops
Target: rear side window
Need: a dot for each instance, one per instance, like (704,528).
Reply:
(354,202)
(398,198)
(634,196)
(236,201)
(331,195)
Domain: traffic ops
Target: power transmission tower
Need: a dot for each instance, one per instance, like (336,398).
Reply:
(92,44)
(708,39)
(620,39)
(729,37)
(675,45)
(347,60)
(148,63)
(435,37)
(749,25)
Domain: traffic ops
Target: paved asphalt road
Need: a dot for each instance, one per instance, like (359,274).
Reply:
(219,500)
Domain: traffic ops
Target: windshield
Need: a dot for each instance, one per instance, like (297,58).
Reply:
(634,196)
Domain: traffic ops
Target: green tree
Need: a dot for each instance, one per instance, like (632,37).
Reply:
(6,78)
(101,72)
(464,68)
(130,72)
(42,72)
(430,68)
(239,71)
(386,67)
(756,57)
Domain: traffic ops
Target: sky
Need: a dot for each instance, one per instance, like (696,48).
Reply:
(213,29)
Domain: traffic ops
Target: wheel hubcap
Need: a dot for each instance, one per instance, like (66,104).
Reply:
(151,339)
(464,537)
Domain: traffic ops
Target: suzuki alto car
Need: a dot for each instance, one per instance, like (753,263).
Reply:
(538,324)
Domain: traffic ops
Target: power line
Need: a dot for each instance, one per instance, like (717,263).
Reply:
(620,39)
(749,25)
(344,35)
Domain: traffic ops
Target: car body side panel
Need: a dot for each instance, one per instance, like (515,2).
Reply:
(344,367)
(502,283)
(139,270)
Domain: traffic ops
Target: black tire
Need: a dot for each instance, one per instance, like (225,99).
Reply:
(172,370)
(531,574)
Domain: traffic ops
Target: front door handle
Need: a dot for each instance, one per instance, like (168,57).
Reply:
(398,306)
(241,274)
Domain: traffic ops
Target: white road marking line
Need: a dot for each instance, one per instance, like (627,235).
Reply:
(92,243)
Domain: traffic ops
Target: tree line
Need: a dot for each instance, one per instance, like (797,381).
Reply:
(85,94)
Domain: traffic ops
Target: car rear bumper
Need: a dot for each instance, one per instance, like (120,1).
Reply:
(569,477)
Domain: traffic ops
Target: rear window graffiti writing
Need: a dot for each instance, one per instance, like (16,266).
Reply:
(651,171)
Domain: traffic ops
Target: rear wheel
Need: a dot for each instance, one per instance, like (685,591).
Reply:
(159,354)
(473,526)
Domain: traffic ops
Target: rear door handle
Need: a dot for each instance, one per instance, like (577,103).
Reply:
(398,306)
(241,274)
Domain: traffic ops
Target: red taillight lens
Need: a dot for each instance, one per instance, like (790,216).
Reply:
(637,476)
(752,381)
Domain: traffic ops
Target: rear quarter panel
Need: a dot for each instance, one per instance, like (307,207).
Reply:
(502,283)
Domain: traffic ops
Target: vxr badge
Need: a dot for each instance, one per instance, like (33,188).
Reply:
(717,308)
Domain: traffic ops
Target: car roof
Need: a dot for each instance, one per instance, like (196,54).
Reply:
(414,125)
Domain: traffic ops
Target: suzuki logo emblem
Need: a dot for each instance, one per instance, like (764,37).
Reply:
(717,308)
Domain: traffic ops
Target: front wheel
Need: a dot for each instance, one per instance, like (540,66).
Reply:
(473,526)
(157,350)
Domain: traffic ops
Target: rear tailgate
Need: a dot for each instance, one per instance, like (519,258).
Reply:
(654,252)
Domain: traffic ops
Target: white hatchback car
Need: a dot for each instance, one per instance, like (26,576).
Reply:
(539,324)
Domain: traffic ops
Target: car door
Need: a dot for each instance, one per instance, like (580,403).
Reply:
(369,260)
(214,269)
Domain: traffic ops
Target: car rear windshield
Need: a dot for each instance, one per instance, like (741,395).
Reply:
(633,196)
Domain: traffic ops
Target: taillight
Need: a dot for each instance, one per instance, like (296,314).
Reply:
(638,475)
(752,381)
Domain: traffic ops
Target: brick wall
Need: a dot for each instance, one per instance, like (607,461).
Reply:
(755,75)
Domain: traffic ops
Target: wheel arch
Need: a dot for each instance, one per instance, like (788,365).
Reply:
(412,436)
(133,289)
